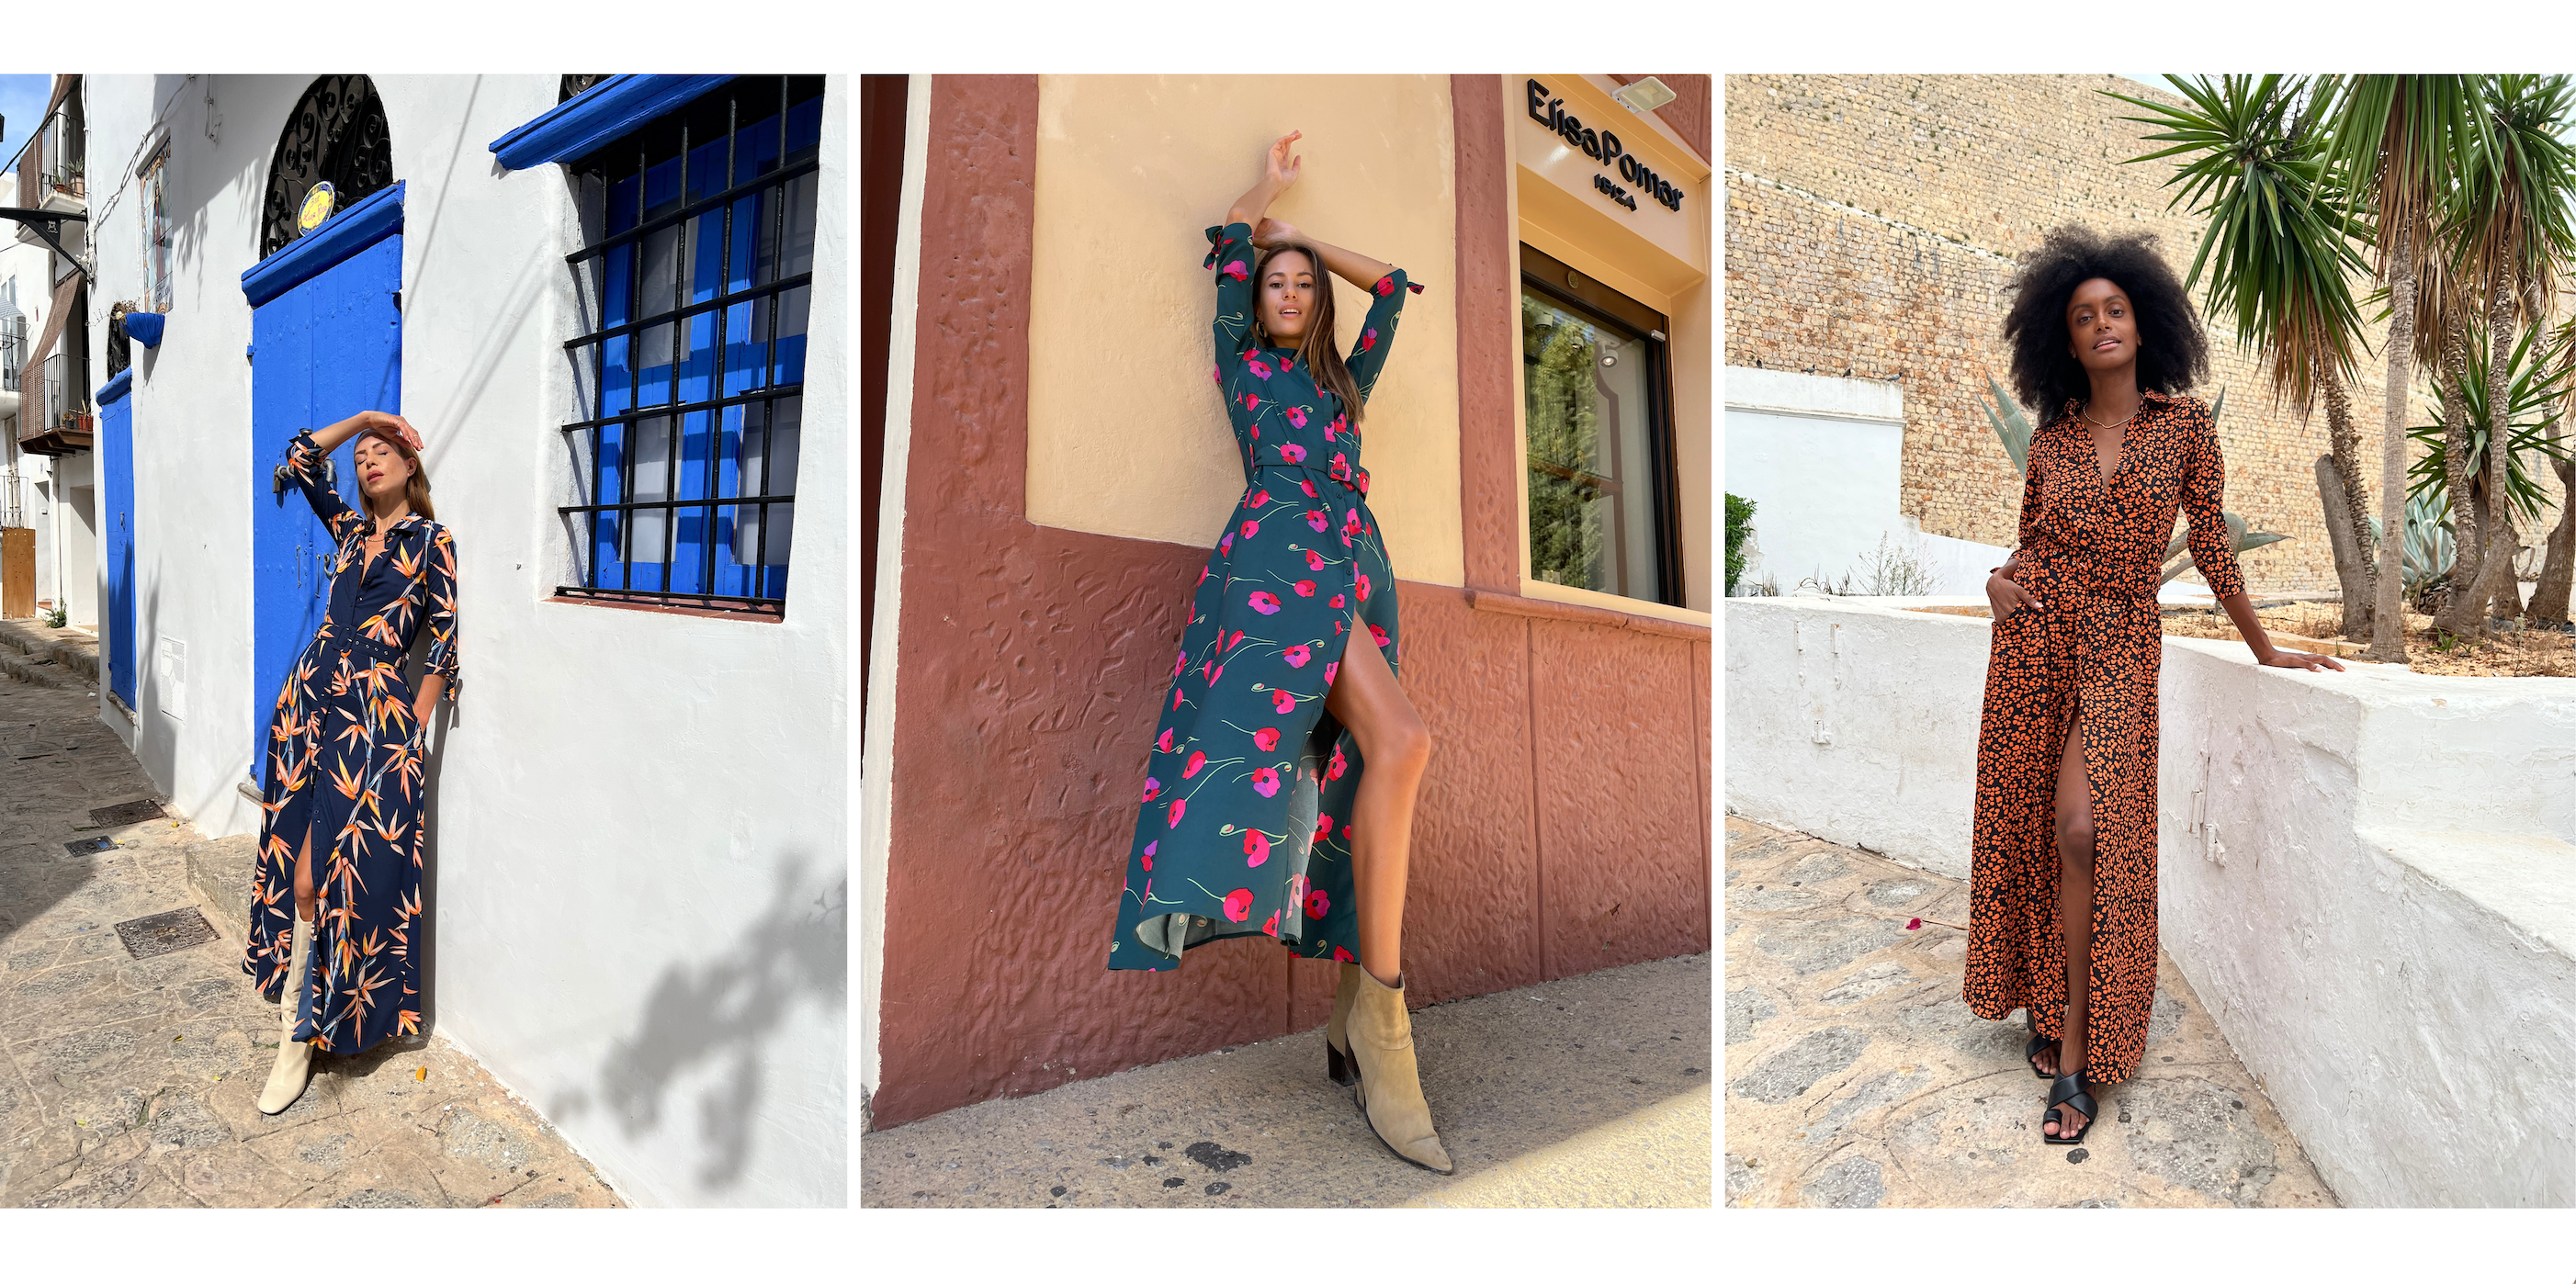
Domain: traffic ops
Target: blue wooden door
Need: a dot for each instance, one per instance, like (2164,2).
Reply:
(326,343)
(116,485)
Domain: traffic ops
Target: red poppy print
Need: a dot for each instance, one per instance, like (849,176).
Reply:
(1341,955)
(1378,633)
(1180,806)
(1238,270)
(1363,588)
(1153,787)
(1295,783)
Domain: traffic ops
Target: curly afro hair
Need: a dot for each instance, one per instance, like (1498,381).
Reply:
(2173,351)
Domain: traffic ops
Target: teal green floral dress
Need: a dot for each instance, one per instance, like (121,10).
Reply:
(1244,824)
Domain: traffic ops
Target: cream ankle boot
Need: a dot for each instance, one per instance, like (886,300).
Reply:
(294,1066)
(1389,1092)
(1337,1037)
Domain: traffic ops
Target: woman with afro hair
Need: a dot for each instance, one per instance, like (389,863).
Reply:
(2062,883)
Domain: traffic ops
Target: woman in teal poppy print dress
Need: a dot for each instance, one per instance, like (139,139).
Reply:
(1260,814)
(335,897)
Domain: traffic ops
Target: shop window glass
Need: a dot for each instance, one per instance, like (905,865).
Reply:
(1601,505)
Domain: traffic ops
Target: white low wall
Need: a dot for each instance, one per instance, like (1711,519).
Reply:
(2368,876)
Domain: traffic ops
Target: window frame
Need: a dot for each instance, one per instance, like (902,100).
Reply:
(634,156)
(1545,274)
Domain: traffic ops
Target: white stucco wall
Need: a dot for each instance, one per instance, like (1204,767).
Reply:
(638,889)
(877,764)
(1820,458)
(2368,876)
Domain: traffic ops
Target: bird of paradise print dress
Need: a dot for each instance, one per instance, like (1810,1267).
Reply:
(1244,823)
(2091,550)
(344,759)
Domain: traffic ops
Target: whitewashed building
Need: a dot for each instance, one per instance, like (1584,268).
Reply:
(637,884)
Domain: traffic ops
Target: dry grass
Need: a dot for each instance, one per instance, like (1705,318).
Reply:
(2311,626)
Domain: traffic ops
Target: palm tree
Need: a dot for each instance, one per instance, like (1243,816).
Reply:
(2394,139)
(2279,257)
(2509,215)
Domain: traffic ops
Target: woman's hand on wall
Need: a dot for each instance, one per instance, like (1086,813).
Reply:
(1279,169)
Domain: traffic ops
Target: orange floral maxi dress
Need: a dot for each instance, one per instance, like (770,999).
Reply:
(2091,552)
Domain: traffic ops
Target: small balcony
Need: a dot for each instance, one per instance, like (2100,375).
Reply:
(54,422)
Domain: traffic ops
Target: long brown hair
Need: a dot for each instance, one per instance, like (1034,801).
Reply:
(1323,360)
(415,491)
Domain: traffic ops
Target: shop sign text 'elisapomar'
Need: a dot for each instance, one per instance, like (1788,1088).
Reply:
(1603,146)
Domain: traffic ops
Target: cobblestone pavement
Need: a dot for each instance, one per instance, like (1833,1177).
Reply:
(1591,1091)
(130,1082)
(1857,1078)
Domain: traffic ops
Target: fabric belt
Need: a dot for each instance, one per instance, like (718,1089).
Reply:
(2062,571)
(361,645)
(1348,476)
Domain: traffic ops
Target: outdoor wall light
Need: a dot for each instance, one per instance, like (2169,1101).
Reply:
(144,328)
(1642,96)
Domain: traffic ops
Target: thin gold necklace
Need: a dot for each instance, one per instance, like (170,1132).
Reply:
(2085,411)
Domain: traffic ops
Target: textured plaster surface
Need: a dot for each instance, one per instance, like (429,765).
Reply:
(1857,1078)
(1591,1091)
(132,1083)
(1031,662)
(1127,434)
(2369,875)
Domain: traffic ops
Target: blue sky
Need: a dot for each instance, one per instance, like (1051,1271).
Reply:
(22,107)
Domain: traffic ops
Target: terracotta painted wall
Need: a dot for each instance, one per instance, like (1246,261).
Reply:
(1563,826)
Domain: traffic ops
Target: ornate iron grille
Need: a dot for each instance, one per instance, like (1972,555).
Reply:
(336,132)
(700,283)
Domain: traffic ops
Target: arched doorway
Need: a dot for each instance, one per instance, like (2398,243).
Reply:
(336,133)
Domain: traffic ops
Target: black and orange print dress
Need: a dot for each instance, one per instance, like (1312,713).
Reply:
(1243,827)
(2092,553)
(344,760)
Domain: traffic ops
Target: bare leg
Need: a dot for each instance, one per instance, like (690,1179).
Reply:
(2074,907)
(1394,749)
(304,877)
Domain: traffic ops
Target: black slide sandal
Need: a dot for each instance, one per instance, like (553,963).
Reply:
(2069,1090)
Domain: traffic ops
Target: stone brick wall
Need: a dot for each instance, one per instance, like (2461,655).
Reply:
(1873,225)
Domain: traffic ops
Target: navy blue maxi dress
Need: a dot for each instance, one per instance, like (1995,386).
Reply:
(344,758)
(1243,827)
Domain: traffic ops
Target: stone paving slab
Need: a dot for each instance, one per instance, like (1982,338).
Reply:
(132,1082)
(1856,1077)
(1590,1091)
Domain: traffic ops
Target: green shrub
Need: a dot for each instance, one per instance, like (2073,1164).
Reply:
(1739,523)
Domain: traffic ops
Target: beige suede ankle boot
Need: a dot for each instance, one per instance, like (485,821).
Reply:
(1389,1092)
(294,1066)
(1337,1036)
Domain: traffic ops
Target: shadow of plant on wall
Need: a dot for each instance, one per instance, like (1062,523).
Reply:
(705,1023)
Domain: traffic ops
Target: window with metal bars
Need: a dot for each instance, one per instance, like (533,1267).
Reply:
(700,282)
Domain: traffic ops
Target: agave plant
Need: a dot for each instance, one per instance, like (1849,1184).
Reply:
(2013,427)
(2430,548)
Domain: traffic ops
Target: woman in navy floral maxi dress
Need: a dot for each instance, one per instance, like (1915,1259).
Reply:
(1254,818)
(336,892)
